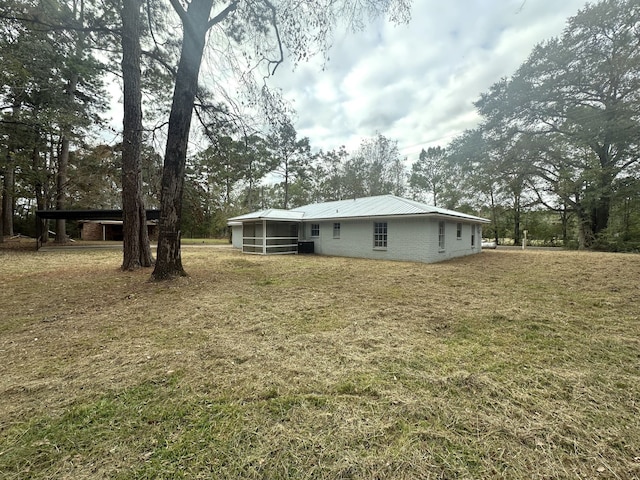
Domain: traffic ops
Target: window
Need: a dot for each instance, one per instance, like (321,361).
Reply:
(459,231)
(441,236)
(315,229)
(336,230)
(380,235)
(473,236)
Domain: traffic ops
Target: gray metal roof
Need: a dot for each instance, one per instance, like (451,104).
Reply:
(378,206)
(271,214)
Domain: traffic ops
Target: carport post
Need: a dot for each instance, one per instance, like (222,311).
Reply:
(38,231)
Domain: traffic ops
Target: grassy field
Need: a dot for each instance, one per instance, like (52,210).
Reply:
(509,364)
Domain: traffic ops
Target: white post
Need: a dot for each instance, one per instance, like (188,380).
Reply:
(524,239)
(264,237)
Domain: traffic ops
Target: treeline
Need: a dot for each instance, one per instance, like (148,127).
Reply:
(556,152)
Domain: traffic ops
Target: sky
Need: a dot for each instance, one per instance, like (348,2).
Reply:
(416,83)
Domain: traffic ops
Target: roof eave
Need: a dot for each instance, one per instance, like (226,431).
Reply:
(401,215)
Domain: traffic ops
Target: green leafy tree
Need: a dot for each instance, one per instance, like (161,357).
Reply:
(430,174)
(585,88)
(257,163)
(331,164)
(376,168)
(292,157)
(480,173)
(95,178)
(54,85)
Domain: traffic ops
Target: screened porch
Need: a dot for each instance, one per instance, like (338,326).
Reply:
(267,237)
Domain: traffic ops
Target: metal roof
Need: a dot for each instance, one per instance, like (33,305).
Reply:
(90,214)
(378,206)
(271,214)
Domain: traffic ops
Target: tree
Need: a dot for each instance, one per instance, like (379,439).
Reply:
(195,24)
(26,57)
(264,27)
(215,175)
(69,119)
(95,180)
(53,84)
(332,163)
(376,168)
(469,153)
(583,87)
(136,248)
(291,155)
(429,173)
(258,162)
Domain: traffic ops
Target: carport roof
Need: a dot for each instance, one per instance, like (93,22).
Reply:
(90,214)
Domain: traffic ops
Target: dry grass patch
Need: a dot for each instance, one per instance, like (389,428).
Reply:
(507,364)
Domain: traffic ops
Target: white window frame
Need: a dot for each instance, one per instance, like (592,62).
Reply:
(441,235)
(336,229)
(459,231)
(380,235)
(315,230)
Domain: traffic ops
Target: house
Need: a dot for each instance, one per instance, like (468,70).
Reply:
(381,227)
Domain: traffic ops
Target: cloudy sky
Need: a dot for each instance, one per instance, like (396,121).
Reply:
(416,83)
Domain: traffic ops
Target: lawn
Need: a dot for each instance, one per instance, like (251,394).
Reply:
(509,364)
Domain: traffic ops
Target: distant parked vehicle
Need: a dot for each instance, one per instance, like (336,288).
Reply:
(491,245)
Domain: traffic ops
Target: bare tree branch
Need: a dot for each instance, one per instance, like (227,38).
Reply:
(223,14)
(179,10)
(274,20)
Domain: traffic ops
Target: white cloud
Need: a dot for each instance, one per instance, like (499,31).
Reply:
(417,83)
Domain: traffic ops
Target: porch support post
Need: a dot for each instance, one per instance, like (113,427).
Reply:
(264,237)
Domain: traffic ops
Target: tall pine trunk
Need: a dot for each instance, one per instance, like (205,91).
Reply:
(61,187)
(136,248)
(9,179)
(39,190)
(8,185)
(195,21)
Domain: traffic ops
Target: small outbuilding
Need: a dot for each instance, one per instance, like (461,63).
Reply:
(381,227)
(102,230)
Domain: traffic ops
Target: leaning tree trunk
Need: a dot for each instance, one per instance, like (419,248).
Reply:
(195,21)
(136,248)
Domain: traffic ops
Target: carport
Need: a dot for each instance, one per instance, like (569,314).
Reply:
(114,215)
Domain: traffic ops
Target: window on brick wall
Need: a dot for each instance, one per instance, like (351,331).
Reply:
(459,231)
(315,229)
(441,236)
(380,235)
(336,230)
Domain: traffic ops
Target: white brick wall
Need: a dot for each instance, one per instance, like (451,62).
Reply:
(236,236)
(410,239)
